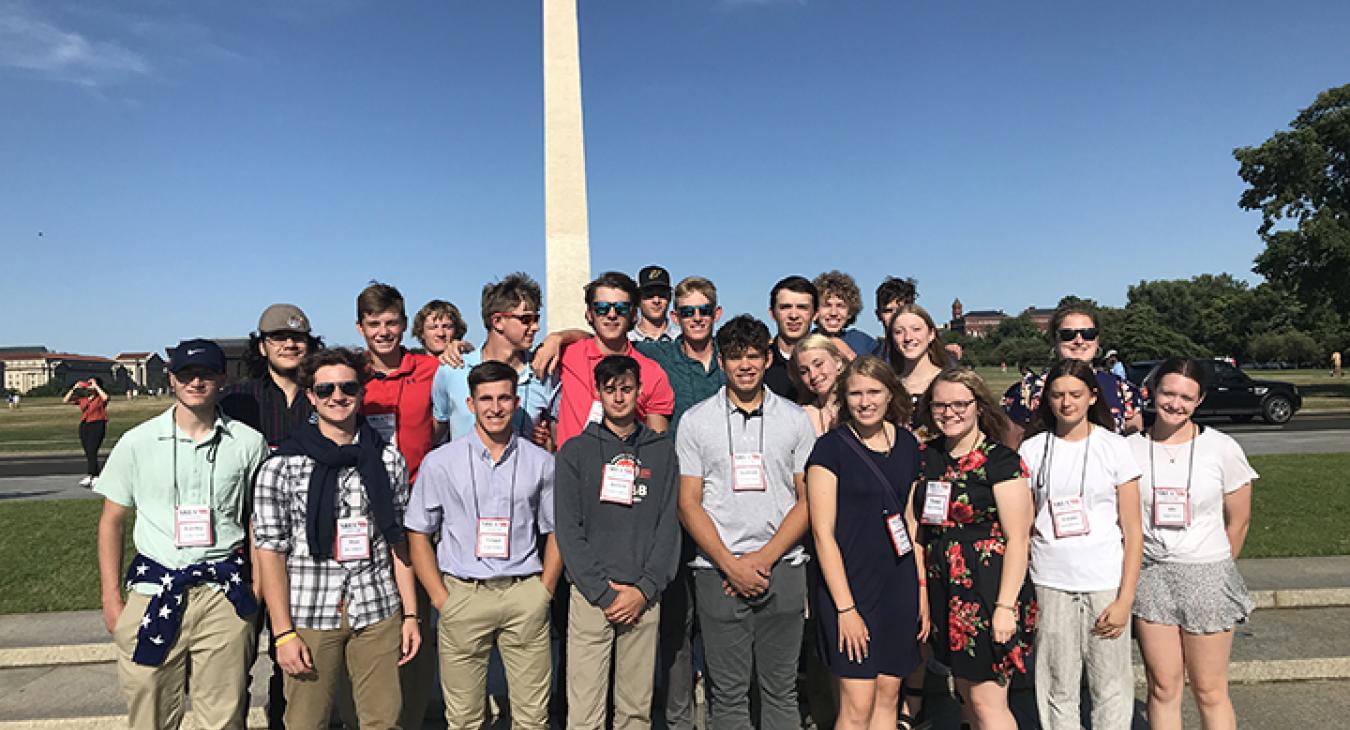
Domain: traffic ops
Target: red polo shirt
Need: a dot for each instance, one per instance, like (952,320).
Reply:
(405,394)
(578,387)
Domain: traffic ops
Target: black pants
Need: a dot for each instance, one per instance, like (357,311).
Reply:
(91,437)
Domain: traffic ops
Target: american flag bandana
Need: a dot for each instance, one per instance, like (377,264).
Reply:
(164,616)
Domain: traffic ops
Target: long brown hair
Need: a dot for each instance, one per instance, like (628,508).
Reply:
(869,366)
(991,420)
(937,352)
(1044,417)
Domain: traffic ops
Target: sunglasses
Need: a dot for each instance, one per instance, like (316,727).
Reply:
(1087,333)
(703,310)
(526,319)
(349,388)
(601,309)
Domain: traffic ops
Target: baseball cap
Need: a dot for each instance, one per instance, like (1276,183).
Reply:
(201,353)
(283,317)
(653,277)
(1110,353)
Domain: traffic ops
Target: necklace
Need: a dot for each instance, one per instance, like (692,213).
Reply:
(884,434)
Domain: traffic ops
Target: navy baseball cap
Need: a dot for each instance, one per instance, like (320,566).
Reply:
(200,353)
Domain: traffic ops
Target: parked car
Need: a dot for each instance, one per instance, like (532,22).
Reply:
(1231,393)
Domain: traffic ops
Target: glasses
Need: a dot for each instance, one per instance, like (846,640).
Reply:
(957,406)
(189,374)
(349,388)
(1087,333)
(525,318)
(702,310)
(601,309)
(284,336)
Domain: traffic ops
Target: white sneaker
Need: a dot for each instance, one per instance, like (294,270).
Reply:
(87,481)
(93,482)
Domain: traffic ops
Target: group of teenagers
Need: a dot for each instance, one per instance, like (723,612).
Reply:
(579,514)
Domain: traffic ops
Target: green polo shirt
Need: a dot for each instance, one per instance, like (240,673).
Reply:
(216,471)
(691,382)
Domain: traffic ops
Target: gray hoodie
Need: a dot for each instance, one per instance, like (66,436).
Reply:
(602,541)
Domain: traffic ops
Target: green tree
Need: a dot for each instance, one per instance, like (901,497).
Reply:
(1301,176)
(1139,333)
(1287,346)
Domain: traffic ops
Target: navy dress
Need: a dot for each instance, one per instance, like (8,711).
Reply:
(885,588)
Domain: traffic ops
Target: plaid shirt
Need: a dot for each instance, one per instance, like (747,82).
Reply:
(321,588)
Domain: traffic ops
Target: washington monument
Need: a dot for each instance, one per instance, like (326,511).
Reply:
(566,227)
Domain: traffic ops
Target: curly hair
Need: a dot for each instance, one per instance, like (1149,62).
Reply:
(741,334)
(439,308)
(836,283)
(255,363)
(894,289)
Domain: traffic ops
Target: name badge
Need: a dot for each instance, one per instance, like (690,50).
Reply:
(616,484)
(385,424)
(494,538)
(597,413)
(937,498)
(192,526)
(353,539)
(1171,507)
(747,473)
(895,525)
(1069,516)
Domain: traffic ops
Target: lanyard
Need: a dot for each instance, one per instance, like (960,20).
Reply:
(210,459)
(1190,462)
(1048,456)
(731,445)
(473,481)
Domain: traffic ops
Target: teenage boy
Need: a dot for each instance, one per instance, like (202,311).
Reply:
(188,473)
(610,309)
(333,559)
(618,532)
(437,325)
(742,498)
(792,305)
(892,294)
(270,400)
(653,323)
(397,405)
(510,310)
(840,303)
(398,395)
(489,495)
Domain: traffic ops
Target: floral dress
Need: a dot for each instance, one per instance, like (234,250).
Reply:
(1122,398)
(965,566)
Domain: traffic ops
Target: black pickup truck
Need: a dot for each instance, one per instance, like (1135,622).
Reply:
(1231,393)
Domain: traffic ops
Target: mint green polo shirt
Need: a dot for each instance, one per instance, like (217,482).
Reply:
(691,381)
(216,471)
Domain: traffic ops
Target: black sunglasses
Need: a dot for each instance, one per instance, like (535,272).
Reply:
(1087,333)
(526,318)
(349,388)
(601,309)
(705,310)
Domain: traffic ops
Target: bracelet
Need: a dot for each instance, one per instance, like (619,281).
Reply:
(285,637)
(923,582)
(843,611)
(412,616)
(1004,605)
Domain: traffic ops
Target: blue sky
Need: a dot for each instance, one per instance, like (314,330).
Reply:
(189,163)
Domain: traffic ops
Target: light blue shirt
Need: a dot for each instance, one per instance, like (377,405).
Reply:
(459,483)
(450,393)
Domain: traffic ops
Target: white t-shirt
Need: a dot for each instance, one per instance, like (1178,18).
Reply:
(1089,562)
(1220,468)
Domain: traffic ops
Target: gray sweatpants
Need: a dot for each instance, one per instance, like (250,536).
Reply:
(763,639)
(1065,647)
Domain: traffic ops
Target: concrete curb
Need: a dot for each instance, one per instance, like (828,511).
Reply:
(57,655)
(1302,598)
(1273,670)
(257,720)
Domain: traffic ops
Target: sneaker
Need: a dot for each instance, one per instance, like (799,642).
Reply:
(93,482)
(87,481)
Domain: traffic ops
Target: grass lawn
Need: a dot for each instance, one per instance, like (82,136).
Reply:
(48,548)
(44,425)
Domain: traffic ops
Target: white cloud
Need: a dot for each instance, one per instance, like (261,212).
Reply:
(32,44)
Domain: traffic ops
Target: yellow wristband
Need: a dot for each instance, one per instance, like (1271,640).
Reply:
(282,641)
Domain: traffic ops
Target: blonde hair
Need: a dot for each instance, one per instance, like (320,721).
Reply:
(869,366)
(696,285)
(837,283)
(806,344)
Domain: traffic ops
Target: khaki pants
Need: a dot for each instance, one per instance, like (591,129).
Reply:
(369,657)
(590,640)
(214,641)
(513,613)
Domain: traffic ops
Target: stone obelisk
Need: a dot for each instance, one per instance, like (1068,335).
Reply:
(566,224)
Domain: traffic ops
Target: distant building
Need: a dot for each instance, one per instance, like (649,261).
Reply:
(140,369)
(25,370)
(1040,316)
(979,322)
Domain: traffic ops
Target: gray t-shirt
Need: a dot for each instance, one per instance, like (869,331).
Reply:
(711,432)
